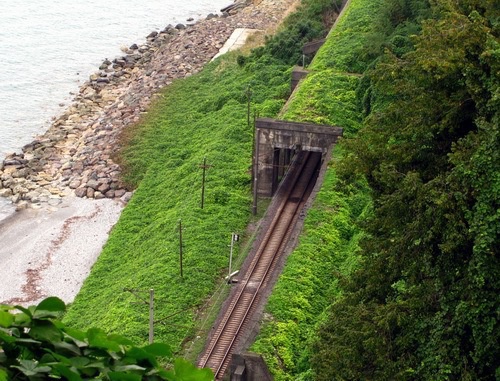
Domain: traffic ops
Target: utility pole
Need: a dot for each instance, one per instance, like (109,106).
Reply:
(204,166)
(151,315)
(248,93)
(180,245)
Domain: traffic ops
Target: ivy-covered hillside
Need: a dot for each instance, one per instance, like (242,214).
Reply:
(408,288)
(396,275)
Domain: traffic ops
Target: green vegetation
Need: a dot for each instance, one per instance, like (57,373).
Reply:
(415,291)
(326,97)
(424,304)
(37,346)
(201,116)
(328,246)
(347,45)
(396,275)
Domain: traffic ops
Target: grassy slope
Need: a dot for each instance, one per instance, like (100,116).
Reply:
(202,116)
(327,247)
(205,116)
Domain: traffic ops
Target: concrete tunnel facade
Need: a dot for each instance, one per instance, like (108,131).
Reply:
(276,141)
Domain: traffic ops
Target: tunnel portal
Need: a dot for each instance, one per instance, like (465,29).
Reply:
(276,142)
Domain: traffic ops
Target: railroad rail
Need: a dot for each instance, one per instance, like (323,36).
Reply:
(294,192)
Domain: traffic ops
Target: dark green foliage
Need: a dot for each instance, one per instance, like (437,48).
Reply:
(424,303)
(34,345)
(311,21)
(287,45)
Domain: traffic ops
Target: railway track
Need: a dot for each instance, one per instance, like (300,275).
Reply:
(293,193)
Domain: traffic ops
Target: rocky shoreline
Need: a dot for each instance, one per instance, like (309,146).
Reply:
(75,154)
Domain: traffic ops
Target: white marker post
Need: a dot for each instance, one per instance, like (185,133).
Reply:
(234,238)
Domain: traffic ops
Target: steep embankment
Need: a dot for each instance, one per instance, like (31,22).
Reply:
(203,116)
(327,249)
(422,302)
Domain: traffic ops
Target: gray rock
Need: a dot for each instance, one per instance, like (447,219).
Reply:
(180,26)
(20,189)
(98,195)
(53,201)
(74,184)
(119,193)
(94,184)
(103,188)
(22,205)
(6,192)
(81,192)
(7,182)
(126,197)
(33,196)
(23,172)
(11,162)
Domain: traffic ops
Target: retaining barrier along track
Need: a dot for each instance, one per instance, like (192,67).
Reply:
(293,194)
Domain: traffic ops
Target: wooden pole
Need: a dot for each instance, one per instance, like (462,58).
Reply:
(151,315)
(249,97)
(180,245)
(204,166)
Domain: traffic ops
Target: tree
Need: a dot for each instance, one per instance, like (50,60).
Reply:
(424,303)
(37,346)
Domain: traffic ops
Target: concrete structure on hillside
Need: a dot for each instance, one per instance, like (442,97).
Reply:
(236,41)
(276,142)
(249,367)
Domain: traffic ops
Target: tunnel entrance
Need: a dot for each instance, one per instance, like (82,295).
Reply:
(276,143)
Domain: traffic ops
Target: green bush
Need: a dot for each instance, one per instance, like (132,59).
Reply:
(35,345)
(346,49)
(326,97)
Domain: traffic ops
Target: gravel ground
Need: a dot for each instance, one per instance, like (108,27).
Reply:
(49,252)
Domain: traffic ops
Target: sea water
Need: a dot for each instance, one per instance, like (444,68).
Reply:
(50,47)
